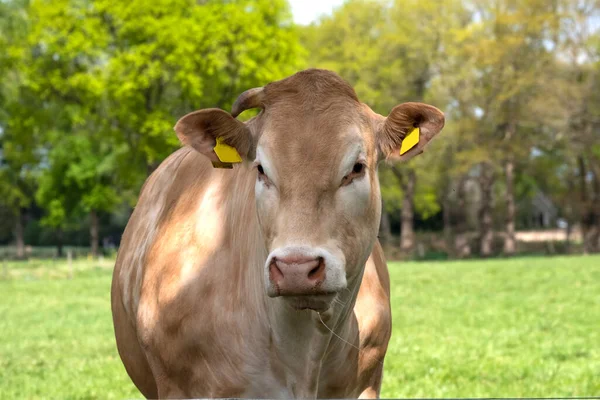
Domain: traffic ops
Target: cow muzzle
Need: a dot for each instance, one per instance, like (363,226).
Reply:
(297,275)
(304,272)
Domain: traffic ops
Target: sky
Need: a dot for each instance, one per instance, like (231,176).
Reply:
(306,11)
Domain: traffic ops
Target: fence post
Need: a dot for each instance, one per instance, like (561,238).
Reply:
(70,262)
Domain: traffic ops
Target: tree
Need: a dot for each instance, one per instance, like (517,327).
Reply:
(178,56)
(64,71)
(579,48)
(507,49)
(116,77)
(19,110)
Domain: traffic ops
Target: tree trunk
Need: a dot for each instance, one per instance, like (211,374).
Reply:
(446,215)
(568,237)
(595,208)
(568,213)
(19,237)
(486,234)
(407,234)
(462,246)
(59,243)
(510,243)
(586,216)
(94,233)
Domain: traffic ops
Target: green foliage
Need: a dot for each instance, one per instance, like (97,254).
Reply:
(178,56)
(90,90)
(18,114)
(426,195)
(102,83)
(80,179)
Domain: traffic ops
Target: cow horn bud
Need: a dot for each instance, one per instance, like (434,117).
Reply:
(251,98)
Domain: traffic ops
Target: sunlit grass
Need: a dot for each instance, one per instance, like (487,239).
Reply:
(520,327)
(57,336)
(500,328)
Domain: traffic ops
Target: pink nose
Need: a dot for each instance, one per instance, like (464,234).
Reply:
(297,275)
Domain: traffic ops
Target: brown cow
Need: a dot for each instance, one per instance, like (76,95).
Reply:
(265,280)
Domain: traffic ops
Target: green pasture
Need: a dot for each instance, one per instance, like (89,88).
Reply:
(524,327)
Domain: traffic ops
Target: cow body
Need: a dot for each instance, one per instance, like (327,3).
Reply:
(197,321)
(207,299)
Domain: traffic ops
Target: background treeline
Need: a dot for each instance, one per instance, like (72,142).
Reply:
(90,91)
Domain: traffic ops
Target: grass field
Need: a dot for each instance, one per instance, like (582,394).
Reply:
(526,327)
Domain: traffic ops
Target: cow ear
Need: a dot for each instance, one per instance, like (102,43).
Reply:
(407,130)
(206,129)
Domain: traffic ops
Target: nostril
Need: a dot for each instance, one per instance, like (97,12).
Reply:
(314,271)
(275,273)
(318,272)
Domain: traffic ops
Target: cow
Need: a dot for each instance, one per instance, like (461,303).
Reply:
(264,278)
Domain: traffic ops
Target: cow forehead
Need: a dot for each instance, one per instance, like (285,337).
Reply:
(310,113)
(320,129)
(310,145)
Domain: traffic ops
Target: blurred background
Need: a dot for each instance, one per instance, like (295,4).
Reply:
(90,91)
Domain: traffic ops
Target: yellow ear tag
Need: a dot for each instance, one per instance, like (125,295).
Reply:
(410,140)
(227,155)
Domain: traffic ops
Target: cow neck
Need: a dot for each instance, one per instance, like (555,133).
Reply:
(301,339)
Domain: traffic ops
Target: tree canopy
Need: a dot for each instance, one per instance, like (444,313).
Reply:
(90,91)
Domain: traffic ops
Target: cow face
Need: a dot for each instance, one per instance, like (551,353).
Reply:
(315,150)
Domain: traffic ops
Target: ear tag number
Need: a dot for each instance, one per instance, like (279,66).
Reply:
(410,140)
(227,155)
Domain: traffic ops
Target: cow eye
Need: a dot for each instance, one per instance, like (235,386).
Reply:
(357,171)
(262,176)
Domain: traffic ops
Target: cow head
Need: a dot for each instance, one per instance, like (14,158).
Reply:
(315,150)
